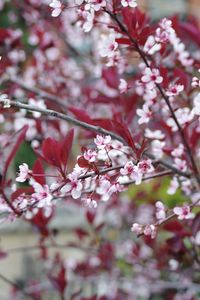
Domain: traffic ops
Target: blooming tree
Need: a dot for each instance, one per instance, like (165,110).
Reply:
(107,103)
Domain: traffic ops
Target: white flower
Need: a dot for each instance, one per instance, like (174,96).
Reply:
(108,45)
(102,141)
(151,46)
(178,151)
(123,86)
(75,187)
(136,228)
(183,212)
(156,134)
(150,230)
(130,3)
(24,173)
(90,155)
(57,8)
(160,211)
(174,184)
(144,114)
(151,77)
(157,148)
(174,90)
(42,194)
(37,103)
(196,103)
(180,164)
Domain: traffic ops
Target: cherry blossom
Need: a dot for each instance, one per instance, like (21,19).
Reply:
(24,173)
(150,230)
(196,108)
(183,212)
(174,184)
(137,228)
(151,46)
(102,141)
(145,166)
(90,155)
(42,194)
(144,114)
(151,77)
(57,8)
(108,45)
(123,86)
(131,3)
(195,82)
(156,134)
(174,90)
(160,211)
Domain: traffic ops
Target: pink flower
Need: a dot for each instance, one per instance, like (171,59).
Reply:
(174,184)
(90,155)
(174,90)
(127,169)
(151,46)
(108,45)
(57,8)
(42,194)
(130,3)
(146,166)
(150,230)
(160,211)
(180,164)
(195,82)
(144,114)
(151,77)
(136,228)
(102,141)
(24,173)
(106,189)
(183,212)
(123,86)
(74,187)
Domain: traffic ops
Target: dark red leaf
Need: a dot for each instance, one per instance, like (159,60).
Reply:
(66,146)
(39,171)
(8,152)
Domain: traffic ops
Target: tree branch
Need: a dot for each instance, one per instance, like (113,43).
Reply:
(97,129)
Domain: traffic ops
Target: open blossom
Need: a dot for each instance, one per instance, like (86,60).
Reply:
(174,184)
(196,108)
(95,4)
(57,8)
(24,173)
(151,46)
(130,3)
(42,194)
(180,164)
(160,211)
(123,86)
(145,166)
(157,148)
(151,77)
(184,116)
(106,189)
(133,171)
(136,228)
(150,230)
(108,45)
(102,141)
(178,151)
(195,82)
(74,187)
(90,155)
(144,114)
(156,134)
(183,212)
(174,90)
